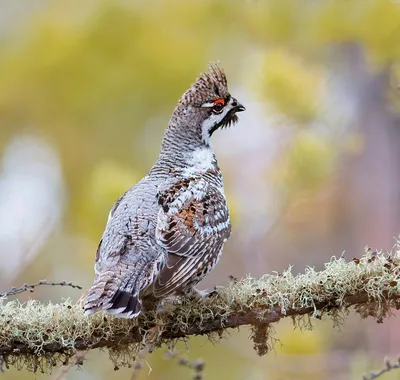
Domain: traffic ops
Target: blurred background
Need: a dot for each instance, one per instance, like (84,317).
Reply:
(311,170)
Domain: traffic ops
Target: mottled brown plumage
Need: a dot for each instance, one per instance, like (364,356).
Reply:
(167,232)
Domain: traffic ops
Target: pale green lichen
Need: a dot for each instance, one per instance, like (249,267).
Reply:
(39,336)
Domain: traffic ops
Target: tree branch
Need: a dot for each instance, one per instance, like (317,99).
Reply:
(31,287)
(38,336)
(389,366)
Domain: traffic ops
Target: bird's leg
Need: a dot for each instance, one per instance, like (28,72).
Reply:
(160,305)
(193,293)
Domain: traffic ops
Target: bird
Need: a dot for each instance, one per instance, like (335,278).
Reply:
(166,233)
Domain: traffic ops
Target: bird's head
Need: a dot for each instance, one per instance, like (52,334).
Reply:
(207,106)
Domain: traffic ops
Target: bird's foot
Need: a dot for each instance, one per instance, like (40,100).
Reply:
(194,293)
(165,305)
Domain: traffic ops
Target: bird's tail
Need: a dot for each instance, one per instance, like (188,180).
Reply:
(106,295)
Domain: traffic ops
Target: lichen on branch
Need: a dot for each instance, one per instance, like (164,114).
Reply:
(38,336)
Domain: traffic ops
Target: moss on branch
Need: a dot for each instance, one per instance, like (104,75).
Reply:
(38,336)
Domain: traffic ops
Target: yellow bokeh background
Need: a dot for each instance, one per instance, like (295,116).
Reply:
(311,170)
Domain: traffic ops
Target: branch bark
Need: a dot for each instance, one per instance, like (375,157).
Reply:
(35,335)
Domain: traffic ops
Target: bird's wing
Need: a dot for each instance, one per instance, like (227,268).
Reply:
(105,251)
(193,224)
(127,259)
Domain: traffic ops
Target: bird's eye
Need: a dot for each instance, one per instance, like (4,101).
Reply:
(218,105)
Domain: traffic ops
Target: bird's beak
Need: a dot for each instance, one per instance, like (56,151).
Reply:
(240,108)
(237,107)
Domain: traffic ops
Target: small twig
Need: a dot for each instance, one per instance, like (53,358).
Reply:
(139,362)
(137,368)
(197,365)
(76,360)
(1,363)
(388,367)
(31,287)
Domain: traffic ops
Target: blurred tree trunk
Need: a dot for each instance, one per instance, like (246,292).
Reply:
(369,183)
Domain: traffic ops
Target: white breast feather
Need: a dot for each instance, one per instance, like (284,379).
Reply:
(200,160)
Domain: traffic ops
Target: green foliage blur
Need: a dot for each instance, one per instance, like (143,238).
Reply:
(98,81)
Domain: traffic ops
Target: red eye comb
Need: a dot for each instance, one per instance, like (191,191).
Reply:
(220,101)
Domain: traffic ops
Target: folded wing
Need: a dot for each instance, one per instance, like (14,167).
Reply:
(193,224)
